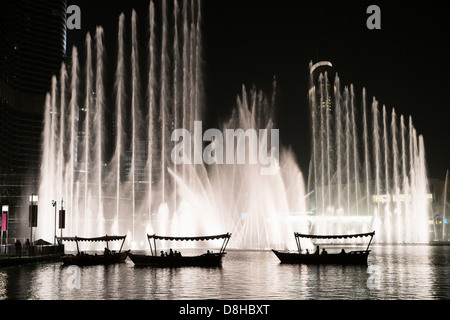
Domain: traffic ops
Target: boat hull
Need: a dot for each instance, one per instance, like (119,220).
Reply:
(205,260)
(353,257)
(89,260)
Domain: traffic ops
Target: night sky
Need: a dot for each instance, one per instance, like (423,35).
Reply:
(405,65)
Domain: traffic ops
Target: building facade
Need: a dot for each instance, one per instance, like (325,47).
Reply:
(32,48)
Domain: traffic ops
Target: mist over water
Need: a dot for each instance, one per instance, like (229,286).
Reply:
(107,151)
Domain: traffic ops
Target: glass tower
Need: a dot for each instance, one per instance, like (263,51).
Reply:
(32,47)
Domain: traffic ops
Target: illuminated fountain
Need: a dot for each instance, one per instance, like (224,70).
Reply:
(108,152)
(137,188)
(367,169)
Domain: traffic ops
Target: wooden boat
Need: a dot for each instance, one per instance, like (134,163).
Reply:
(358,257)
(207,259)
(85,259)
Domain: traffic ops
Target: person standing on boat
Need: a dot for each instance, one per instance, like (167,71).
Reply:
(324,251)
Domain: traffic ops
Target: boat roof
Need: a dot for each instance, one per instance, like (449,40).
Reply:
(340,236)
(95,239)
(200,238)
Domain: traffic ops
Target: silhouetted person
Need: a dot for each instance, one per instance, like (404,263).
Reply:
(170,253)
(27,246)
(162,253)
(342,251)
(317,250)
(307,251)
(18,248)
(324,251)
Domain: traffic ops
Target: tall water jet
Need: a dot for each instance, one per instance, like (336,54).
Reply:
(98,123)
(62,138)
(87,130)
(163,99)
(176,86)
(151,108)
(377,168)
(136,115)
(119,86)
(388,192)
(367,160)
(73,126)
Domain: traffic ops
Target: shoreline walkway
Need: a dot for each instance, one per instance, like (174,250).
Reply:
(38,254)
(10,261)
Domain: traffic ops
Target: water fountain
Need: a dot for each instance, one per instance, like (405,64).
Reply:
(108,152)
(369,179)
(138,189)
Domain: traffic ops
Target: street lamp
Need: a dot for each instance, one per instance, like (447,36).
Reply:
(5,217)
(62,216)
(33,214)
(54,206)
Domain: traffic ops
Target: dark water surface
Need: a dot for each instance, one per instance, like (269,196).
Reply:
(397,272)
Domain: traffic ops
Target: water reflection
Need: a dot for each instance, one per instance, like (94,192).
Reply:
(394,272)
(440,273)
(404,272)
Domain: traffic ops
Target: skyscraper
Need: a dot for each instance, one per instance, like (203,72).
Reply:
(32,47)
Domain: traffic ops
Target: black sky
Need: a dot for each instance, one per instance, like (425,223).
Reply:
(405,65)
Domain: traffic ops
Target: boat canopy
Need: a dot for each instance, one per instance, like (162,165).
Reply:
(335,236)
(225,236)
(342,236)
(94,239)
(202,238)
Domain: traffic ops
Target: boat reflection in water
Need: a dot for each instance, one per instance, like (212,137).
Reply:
(208,259)
(84,259)
(351,257)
